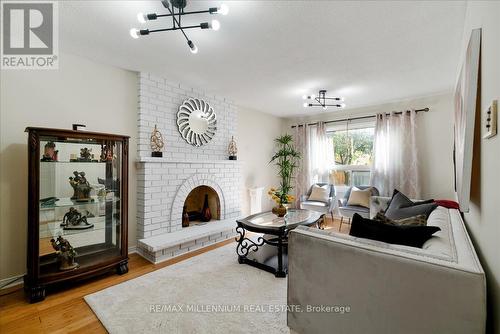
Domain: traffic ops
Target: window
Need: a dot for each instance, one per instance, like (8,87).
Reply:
(353,150)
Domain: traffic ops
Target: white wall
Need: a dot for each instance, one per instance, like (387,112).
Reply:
(256,133)
(483,219)
(81,91)
(434,138)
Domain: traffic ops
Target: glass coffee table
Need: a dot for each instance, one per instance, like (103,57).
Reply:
(269,252)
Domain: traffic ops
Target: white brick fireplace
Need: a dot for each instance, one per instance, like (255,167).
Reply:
(164,183)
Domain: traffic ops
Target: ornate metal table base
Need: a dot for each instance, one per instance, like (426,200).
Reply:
(246,245)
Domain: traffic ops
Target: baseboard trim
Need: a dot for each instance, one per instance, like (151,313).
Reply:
(17,284)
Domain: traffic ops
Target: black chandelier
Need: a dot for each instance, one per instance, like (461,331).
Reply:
(323,100)
(171,5)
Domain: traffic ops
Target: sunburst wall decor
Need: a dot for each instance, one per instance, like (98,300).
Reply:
(196,121)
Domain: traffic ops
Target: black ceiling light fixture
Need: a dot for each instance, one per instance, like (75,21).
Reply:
(323,100)
(172,5)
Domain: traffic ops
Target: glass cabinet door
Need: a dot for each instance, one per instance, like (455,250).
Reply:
(79,209)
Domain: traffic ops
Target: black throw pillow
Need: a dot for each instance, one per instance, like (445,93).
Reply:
(407,235)
(401,207)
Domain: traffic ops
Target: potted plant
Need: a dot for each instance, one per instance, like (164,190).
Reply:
(286,160)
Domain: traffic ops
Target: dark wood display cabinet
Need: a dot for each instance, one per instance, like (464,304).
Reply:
(77,206)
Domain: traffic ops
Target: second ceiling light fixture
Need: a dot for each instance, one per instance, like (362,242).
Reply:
(176,20)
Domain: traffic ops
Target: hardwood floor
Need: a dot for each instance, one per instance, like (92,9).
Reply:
(65,311)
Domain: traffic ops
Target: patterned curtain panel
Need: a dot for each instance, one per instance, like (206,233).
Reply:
(301,139)
(395,160)
(316,149)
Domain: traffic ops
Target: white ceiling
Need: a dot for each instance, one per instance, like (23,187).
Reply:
(267,54)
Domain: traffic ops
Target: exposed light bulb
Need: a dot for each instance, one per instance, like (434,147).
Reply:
(215,25)
(341,99)
(312,97)
(142,18)
(193,48)
(325,107)
(304,97)
(342,105)
(223,9)
(306,104)
(134,33)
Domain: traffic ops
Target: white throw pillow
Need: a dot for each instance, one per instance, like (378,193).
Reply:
(320,193)
(360,197)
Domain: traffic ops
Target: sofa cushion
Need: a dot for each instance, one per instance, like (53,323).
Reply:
(402,207)
(414,236)
(419,220)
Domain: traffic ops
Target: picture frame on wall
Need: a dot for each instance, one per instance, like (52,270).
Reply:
(465,115)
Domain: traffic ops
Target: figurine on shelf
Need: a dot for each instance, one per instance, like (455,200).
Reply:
(85,156)
(49,152)
(106,152)
(66,253)
(232,149)
(74,220)
(156,143)
(81,187)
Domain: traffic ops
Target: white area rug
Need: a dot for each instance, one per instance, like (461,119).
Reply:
(208,293)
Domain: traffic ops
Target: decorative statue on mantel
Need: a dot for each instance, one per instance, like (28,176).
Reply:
(156,143)
(65,252)
(49,152)
(74,220)
(232,149)
(81,187)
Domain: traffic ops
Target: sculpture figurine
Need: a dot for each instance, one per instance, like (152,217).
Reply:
(232,149)
(81,187)
(106,152)
(85,156)
(156,143)
(65,252)
(49,152)
(73,220)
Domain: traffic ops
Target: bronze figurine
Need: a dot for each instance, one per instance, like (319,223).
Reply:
(65,252)
(81,187)
(74,220)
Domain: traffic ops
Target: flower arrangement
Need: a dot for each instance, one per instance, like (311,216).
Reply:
(279,197)
(286,159)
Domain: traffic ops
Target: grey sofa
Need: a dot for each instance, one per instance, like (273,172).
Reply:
(387,288)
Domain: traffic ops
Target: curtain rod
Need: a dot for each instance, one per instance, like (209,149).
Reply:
(361,117)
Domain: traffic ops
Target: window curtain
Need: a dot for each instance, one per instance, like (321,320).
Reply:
(316,149)
(395,154)
(301,139)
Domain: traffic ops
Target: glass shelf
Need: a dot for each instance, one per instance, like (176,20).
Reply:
(76,162)
(68,202)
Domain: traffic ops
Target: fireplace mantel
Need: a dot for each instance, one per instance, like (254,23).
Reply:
(176,161)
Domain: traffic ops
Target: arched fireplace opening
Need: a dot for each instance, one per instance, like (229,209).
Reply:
(201,206)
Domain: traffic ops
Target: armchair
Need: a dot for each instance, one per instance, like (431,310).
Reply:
(347,211)
(318,206)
